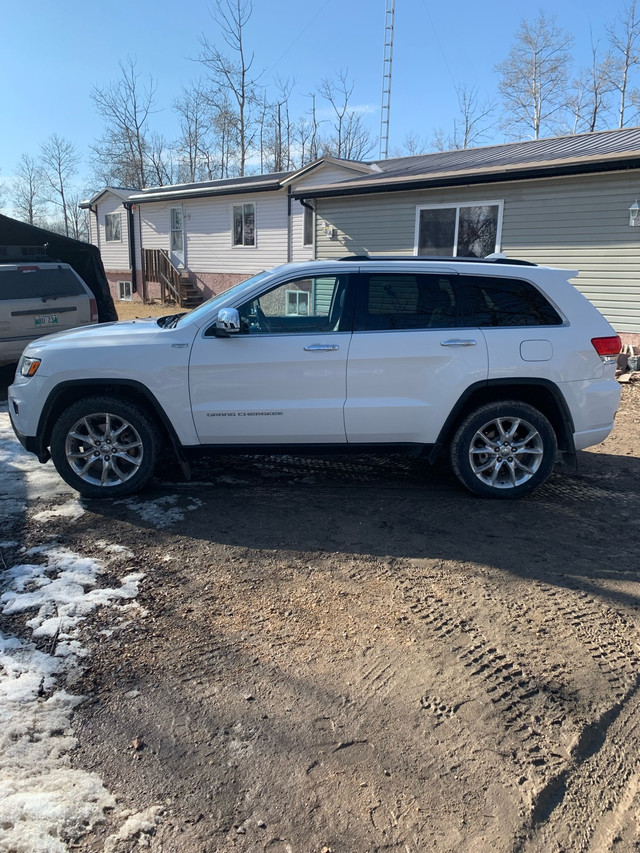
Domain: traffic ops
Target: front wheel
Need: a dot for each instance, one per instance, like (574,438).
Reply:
(504,450)
(104,447)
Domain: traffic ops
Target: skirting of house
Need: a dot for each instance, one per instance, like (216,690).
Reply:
(213,283)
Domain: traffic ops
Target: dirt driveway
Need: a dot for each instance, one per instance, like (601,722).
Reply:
(348,656)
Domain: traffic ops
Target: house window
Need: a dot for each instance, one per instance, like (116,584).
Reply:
(307,226)
(177,230)
(112,232)
(244,225)
(462,230)
(297,303)
(124,291)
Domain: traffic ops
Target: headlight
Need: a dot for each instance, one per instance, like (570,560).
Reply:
(29,366)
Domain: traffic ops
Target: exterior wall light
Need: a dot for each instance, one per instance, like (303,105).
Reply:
(634,214)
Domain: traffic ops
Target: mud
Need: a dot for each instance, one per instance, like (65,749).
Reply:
(347,655)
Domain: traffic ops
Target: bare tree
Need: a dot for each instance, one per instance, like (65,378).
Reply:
(28,193)
(470,126)
(306,135)
(233,74)
(412,144)
(625,50)
(589,101)
(196,134)
(350,139)
(534,78)
(59,164)
(276,130)
(121,155)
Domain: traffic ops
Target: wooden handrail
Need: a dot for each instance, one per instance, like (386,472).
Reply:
(158,267)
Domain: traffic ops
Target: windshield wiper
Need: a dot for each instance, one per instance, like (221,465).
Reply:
(170,320)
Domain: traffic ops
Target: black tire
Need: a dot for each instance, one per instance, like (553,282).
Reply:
(105,447)
(504,450)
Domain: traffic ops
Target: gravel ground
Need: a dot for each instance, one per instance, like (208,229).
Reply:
(347,655)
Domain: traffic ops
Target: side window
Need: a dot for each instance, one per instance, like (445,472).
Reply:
(124,291)
(507,302)
(244,225)
(301,305)
(112,232)
(407,301)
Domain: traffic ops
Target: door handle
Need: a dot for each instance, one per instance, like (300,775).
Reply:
(322,348)
(458,342)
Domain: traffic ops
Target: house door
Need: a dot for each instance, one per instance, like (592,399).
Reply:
(177,237)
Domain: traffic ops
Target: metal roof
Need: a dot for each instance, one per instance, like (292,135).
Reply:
(588,152)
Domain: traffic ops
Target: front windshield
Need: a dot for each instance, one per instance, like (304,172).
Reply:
(211,304)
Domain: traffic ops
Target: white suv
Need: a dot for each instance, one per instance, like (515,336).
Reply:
(499,363)
(37,298)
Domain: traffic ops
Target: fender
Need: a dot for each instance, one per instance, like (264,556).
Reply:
(542,393)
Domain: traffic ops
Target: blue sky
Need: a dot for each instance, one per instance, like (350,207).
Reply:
(53,53)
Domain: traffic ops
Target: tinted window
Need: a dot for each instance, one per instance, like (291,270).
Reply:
(301,305)
(407,301)
(506,302)
(38,283)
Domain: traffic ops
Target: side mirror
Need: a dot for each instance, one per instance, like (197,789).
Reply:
(227,323)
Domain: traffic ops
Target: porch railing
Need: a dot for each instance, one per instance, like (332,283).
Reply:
(158,268)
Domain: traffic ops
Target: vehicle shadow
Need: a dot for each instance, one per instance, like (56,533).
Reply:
(579,528)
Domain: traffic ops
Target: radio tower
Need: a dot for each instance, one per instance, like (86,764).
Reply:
(386,78)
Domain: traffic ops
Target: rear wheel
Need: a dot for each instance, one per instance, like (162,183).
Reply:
(105,447)
(504,450)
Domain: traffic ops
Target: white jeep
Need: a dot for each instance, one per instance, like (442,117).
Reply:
(499,363)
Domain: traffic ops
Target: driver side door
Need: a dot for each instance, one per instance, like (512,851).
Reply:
(282,379)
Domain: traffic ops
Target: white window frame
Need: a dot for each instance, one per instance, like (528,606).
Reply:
(123,288)
(244,245)
(298,292)
(499,203)
(110,216)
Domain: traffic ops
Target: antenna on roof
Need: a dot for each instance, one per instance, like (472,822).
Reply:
(385,108)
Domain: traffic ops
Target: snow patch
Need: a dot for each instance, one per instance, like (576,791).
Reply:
(162,512)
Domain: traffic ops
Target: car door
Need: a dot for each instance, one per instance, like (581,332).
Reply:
(282,379)
(411,357)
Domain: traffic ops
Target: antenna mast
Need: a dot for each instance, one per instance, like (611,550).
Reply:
(385,108)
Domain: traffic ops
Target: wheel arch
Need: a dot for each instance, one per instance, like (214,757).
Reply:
(66,393)
(540,393)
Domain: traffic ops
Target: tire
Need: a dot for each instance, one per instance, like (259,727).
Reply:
(83,440)
(504,450)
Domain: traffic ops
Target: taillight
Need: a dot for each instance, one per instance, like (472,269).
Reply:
(607,347)
(93,310)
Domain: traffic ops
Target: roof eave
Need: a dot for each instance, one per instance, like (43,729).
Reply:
(487,176)
(141,198)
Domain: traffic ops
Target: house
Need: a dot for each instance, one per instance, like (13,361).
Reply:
(570,202)
(567,201)
(187,242)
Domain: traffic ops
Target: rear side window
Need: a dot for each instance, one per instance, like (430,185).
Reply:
(407,301)
(37,283)
(506,302)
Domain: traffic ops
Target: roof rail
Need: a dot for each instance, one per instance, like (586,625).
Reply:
(439,258)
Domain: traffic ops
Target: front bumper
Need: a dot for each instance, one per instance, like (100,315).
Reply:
(32,443)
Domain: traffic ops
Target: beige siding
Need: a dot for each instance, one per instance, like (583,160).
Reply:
(115,255)
(299,252)
(575,223)
(208,232)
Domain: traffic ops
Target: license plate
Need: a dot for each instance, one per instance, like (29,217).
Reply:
(46,320)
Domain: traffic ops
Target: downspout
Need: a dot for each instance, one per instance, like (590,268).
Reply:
(315,242)
(132,245)
(289,227)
